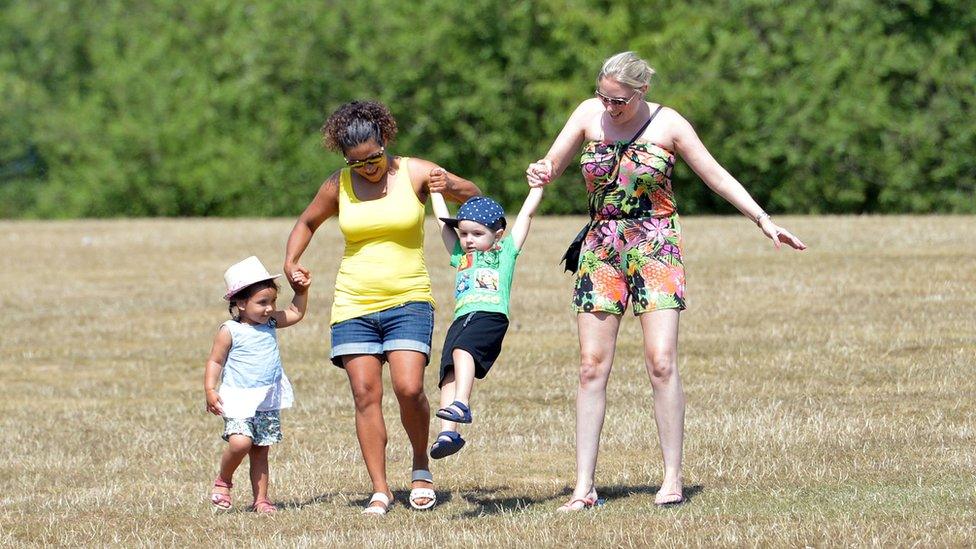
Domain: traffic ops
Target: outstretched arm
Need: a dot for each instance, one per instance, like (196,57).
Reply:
(448,234)
(520,230)
(567,143)
(693,151)
(211,372)
(454,187)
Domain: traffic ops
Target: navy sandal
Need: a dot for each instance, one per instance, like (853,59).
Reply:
(447,443)
(457,412)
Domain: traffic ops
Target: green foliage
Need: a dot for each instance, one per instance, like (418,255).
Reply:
(150,107)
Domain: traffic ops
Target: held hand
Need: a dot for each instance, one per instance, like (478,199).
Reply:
(300,281)
(214,403)
(539,173)
(295,273)
(437,180)
(779,234)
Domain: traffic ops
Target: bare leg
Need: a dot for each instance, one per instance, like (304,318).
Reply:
(598,338)
(448,390)
(366,380)
(463,375)
(259,472)
(661,359)
(407,374)
(237,447)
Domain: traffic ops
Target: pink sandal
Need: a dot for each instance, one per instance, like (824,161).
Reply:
(589,502)
(263,506)
(218,500)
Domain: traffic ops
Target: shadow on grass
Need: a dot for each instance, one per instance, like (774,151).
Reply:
(301,504)
(486,504)
(621,492)
(484,500)
(401,498)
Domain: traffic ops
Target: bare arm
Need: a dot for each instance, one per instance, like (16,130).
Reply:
(296,310)
(563,149)
(448,234)
(323,206)
(520,230)
(454,187)
(211,372)
(693,151)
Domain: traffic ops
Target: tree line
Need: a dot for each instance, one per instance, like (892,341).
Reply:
(212,108)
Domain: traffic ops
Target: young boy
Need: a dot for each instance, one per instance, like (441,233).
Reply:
(485,262)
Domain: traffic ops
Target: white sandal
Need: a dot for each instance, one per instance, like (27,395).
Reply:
(418,493)
(376,509)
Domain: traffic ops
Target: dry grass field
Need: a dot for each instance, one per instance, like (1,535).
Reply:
(831,395)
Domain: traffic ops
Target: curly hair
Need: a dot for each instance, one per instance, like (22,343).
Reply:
(357,122)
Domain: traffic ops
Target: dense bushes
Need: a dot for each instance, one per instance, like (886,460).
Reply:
(146,108)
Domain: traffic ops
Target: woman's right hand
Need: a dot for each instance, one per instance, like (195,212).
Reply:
(539,173)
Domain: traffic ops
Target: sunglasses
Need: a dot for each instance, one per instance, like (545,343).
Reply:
(615,101)
(368,161)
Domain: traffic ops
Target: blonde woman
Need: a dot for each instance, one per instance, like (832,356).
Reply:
(632,251)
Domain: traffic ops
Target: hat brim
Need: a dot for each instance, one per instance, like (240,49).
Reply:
(230,293)
(450,221)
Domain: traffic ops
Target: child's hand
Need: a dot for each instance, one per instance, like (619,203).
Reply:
(300,280)
(214,403)
(437,180)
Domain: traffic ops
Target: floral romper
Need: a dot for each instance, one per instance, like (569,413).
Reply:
(633,248)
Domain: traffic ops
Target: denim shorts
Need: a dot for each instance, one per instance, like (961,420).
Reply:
(264,429)
(407,327)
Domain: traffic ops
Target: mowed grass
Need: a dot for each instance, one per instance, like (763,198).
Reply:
(831,395)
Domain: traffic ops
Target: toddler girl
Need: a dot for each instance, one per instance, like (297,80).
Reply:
(253,385)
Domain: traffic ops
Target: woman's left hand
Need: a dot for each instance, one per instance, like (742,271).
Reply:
(779,234)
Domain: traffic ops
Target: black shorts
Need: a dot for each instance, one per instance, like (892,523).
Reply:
(478,333)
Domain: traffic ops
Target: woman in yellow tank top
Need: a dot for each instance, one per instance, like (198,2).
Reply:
(383,307)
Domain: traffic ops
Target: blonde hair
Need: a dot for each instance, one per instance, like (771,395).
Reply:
(628,69)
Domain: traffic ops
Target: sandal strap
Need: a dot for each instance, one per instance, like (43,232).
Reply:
(380,497)
(460,406)
(219,483)
(418,493)
(449,435)
(423,474)
(264,505)
(371,509)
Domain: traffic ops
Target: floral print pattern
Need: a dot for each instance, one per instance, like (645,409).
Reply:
(637,186)
(632,251)
(264,429)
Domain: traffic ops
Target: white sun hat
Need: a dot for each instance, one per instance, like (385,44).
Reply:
(243,274)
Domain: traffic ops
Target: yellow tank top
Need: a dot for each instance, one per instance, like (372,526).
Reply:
(383,264)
